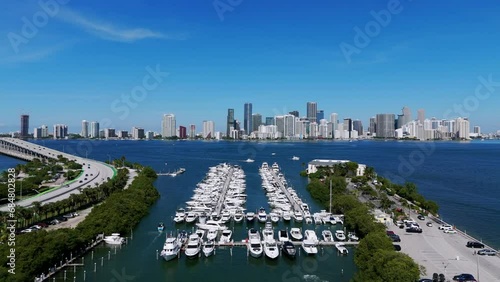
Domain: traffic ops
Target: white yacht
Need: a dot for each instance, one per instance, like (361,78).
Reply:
(171,248)
(308,219)
(262,215)
(211,225)
(340,235)
(352,237)
(208,248)
(283,236)
(298,216)
(249,160)
(114,239)
(327,235)
(212,234)
(225,237)
(296,233)
(193,246)
(341,248)
(309,247)
(295,158)
(250,216)
(311,236)
(274,217)
(226,216)
(191,217)
(268,232)
(286,216)
(264,165)
(254,244)
(200,233)
(180,215)
(317,219)
(238,216)
(271,249)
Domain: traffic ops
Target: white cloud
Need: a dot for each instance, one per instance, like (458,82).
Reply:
(34,55)
(108,31)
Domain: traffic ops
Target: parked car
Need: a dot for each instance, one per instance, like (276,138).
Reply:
(426,280)
(61,218)
(464,277)
(54,222)
(400,224)
(429,224)
(445,226)
(27,230)
(450,231)
(414,230)
(397,248)
(487,252)
(421,217)
(388,232)
(473,244)
(42,224)
(394,237)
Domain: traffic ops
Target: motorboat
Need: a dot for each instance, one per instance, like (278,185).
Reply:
(182,237)
(308,219)
(296,234)
(161,227)
(283,236)
(238,216)
(352,237)
(341,248)
(211,224)
(202,218)
(226,216)
(317,219)
(249,160)
(264,165)
(180,215)
(268,232)
(310,235)
(327,235)
(208,248)
(200,233)
(271,249)
(250,216)
(295,158)
(212,234)
(286,216)
(225,237)
(193,246)
(298,216)
(114,239)
(289,249)
(254,244)
(191,217)
(262,216)
(274,217)
(171,248)
(340,235)
(309,247)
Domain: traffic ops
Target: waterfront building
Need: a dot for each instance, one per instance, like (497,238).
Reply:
(123,134)
(247,118)
(256,121)
(323,129)
(109,133)
(138,133)
(279,121)
(313,165)
(192,131)
(94,129)
(406,118)
(358,126)
(348,127)
(270,121)
(320,115)
(477,130)
(37,132)
(334,118)
(462,128)
(373,126)
(312,111)
(301,128)
(229,121)
(208,129)
(182,132)
(60,131)
(421,115)
(150,135)
(313,130)
(385,125)
(25,123)
(85,129)
(168,126)
(294,113)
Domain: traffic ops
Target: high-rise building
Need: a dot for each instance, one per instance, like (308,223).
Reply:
(289,130)
(294,113)
(385,125)
(256,121)
(358,126)
(25,124)
(312,111)
(348,127)
(122,134)
(247,118)
(138,133)
(94,129)
(230,121)
(109,133)
(269,120)
(421,115)
(477,130)
(406,115)
(462,126)
(85,129)
(320,115)
(45,131)
(373,126)
(168,126)
(208,129)
(60,131)
(192,131)
(37,132)
(279,121)
(182,132)
(334,118)
(150,135)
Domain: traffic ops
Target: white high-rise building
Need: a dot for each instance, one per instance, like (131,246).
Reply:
(60,131)
(279,121)
(208,129)
(168,126)
(85,129)
(323,128)
(463,128)
(94,129)
(289,123)
(37,132)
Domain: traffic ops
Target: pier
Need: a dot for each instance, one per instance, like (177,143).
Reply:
(222,196)
(296,207)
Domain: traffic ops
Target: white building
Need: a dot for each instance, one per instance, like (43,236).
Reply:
(45,131)
(94,129)
(313,165)
(85,129)
(60,131)
(208,129)
(37,132)
(168,126)
(462,128)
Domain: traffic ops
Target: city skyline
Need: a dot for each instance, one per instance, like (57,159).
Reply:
(278,74)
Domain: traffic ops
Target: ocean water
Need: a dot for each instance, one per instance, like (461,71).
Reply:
(462,177)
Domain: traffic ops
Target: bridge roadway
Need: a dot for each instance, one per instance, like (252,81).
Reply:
(93,172)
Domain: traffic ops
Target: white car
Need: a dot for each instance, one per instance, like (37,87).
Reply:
(445,227)
(450,231)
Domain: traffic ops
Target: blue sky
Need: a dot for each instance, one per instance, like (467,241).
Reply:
(276,54)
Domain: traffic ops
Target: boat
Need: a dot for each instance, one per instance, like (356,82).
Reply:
(238,216)
(253,243)
(262,216)
(274,217)
(191,217)
(327,235)
(171,248)
(311,236)
(161,226)
(180,215)
(114,239)
(340,235)
(225,237)
(202,218)
(226,216)
(177,172)
(308,219)
(211,225)
(250,216)
(268,232)
(317,219)
(249,160)
(200,233)
(289,249)
(272,154)
(286,216)
(352,237)
(296,234)
(193,246)
(298,216)
(341,248)
(295,158)
(283,236)
(271,249)
(309,247)
(208,248)
(212,234)
(182,237)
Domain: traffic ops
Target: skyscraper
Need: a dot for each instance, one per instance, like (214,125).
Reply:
(319,116)
(256,121)
(385,125)
(182,132)
(312,111)
(247,118)
(208,129)
(230,121)
(289,130)
(85,129)
(192,131)
(421,116)
(168,126)
(25,124)
(94,129)
(406,115)
(373,126)
(348,127)
(60,131)
(269,120)
(294,113)
(358,126)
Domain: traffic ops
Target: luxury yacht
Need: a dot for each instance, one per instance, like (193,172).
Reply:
(193,246)
(340,235)
(171,248)
(254,244)
(262,216)
(296,234)
(289,249)
(327,236)
(208,248)
(271,249)
(114,239)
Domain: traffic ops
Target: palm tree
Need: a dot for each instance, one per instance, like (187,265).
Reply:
(36,208)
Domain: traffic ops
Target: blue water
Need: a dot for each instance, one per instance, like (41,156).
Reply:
(461,177)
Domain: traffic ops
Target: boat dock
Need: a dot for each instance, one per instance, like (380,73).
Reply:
(222,196)
(295,206)
(296,243)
